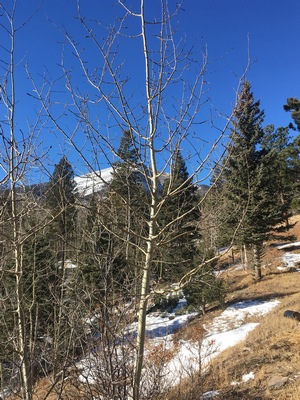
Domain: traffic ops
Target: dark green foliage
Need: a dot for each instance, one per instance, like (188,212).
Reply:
(128,186)
(293,106)
(128,151)
(250,173)
(61,235)
(285,153)
(61,202)
(39,282)
(250,182)
(295,173)
(205,288)
(127,208)
(102,264)
(178,220)
(165,303)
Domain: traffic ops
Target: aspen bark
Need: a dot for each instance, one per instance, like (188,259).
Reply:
(141,330)
(15,174)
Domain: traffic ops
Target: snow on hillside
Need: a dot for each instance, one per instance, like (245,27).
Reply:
(290,260)
(93,181)
(97,181)
(225,331)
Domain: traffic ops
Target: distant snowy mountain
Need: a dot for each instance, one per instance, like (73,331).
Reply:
(93,181)
(98,181)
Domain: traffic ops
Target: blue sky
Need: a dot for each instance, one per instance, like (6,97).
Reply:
(222,25)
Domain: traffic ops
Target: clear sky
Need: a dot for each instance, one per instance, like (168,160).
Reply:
(222,25)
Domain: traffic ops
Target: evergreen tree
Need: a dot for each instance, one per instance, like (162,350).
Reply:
(293,106)
(204,289)
(128,180)
(285,156)
(251,184)
(61,233)
(39,279)
(294,162)
(128,199)
(61,202)
(102,262)
(179,223)
(214,210)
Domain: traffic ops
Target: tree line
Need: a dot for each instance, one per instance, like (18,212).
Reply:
(76,271)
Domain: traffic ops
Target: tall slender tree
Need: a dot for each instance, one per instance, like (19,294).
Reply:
(18,153)
(61,201)
(249,174)
(180,225)
(285,156)
(293,106)
(159,126)
(128,203)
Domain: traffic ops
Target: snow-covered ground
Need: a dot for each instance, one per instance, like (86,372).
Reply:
(288,245)
(290,260)
(226,330)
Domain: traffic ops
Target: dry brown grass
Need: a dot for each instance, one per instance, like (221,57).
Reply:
(272,349)
(269,351)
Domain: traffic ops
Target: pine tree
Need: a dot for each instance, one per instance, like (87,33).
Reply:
(204,289)
(102,262)
(179,224)
(251,186)
(293,106)
(285,156)
(127,209)
(61,202)
(39,279)
(128,180)
(61,233)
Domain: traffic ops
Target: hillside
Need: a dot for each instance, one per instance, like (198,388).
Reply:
(263,363)
(266,365)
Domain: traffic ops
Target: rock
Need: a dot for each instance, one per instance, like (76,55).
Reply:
(292,314)
(277,382)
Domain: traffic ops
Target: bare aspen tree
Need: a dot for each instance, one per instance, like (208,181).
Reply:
(15,171)
(17,159)
(165,118)
(20,218)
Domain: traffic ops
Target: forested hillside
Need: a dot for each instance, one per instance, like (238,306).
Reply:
(84,256)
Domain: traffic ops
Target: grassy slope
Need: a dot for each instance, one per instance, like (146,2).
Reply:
(271,351)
